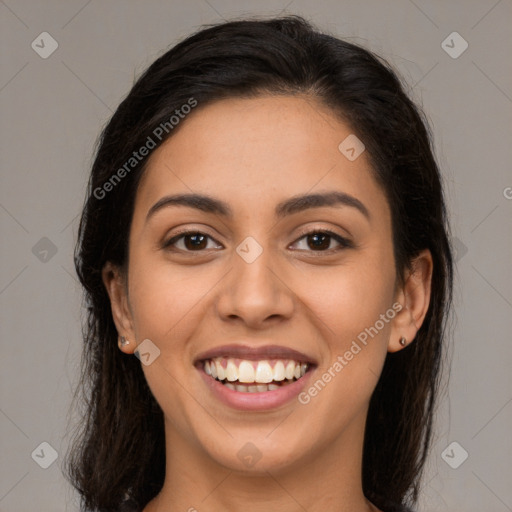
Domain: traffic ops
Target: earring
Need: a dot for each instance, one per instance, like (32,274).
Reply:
(123,341)
(403,341)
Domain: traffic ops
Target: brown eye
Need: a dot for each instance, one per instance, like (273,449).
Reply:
(319,241)
(196,241)
(189,241)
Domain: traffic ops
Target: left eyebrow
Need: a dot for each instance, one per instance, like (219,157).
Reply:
(288,207)
(300,203)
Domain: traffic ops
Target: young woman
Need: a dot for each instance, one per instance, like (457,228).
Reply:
(265,256)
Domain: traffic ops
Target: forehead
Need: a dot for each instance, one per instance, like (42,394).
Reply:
(250,151)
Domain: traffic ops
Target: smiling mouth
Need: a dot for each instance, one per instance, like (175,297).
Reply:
(248,376)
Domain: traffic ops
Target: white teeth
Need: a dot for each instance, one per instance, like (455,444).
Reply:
(221,373)
(279,371)
(260,388)
(246,372)
(290,370)
(264,373)
(231,371)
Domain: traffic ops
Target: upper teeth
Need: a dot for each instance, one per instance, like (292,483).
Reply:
(242,370)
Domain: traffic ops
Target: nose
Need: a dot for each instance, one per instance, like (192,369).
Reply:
(256,293)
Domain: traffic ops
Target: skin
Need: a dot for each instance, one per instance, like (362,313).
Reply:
(253,154)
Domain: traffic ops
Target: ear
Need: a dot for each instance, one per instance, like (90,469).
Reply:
(414,297)
(115,283)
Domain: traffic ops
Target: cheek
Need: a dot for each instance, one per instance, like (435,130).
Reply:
(165,297)
(349,300)
(168,304)
(353,309)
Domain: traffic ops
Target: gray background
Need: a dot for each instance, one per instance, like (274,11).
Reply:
(52,112)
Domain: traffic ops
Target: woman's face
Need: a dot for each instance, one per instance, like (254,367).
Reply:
(259,285)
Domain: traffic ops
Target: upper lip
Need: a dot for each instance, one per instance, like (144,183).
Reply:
(255,353)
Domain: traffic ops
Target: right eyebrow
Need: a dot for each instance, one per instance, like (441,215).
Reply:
(199,201)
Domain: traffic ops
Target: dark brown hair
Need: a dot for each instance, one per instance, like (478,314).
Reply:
(120,445)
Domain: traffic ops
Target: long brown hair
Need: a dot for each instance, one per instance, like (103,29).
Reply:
(119,446)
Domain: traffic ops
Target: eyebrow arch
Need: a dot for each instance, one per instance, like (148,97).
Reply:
(288,207)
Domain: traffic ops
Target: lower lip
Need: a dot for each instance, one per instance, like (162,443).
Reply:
(259,401)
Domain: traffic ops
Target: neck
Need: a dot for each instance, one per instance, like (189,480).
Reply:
(328,480)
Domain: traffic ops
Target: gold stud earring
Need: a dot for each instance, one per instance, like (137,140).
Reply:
(403,341)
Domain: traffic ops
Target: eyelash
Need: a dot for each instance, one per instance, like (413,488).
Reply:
(344,242)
